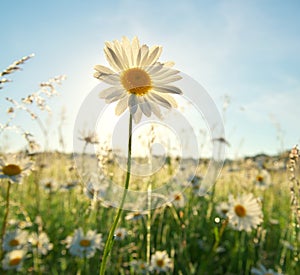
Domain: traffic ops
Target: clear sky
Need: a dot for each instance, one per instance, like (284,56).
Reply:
(247,50)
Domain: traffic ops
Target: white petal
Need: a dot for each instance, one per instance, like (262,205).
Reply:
(156,67)
(112,99)
(144,56)
(111,79)
(115,93)
(137,116)
(155,109)
(121,54)
(167,80)
(103,70)
(168,89)
(160,100)
(164,73)
(135,46)
(132,103)
(121,106)
(154,54)
(169,64)
(112,58)
(126,47)
(143,51)
(171,100)
(104,93)
(109,57)
(145,107)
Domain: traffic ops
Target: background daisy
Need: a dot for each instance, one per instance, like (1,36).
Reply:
(84,245)
(244,212)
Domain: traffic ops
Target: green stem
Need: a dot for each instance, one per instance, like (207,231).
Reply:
(110,240)
(4,223)
(148,250)
(220,234)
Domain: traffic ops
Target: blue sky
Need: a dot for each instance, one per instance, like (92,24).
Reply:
(248,50)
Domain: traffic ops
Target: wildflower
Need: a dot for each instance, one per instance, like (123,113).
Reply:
(139,81)
(14,168)
(94,190)
(41,242)
(263,179)
(20,224)
(262,270)
(244,212)
(49,185)
(139,266)
(84,245)
(222,209)
(161,262)
(177,199)
(134,216)
(120,234)
(13,259)
(69,185)
(89,138)
(195,181)
(14,240)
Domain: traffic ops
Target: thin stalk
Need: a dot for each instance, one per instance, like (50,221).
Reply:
(4,223)
(148,250)
(110,239)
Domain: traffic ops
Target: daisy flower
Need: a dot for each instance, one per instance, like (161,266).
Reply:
(95,191)
(49,185)
(41,242)
(14,240)
(13,259)
(177,199)
(138,81)
(139,266)
(120,234)
(82,245)
(263,179)
(134,216)
(69,185)
(244,212)
(222,209)
(89,137)
(14,168)
(196,182)
(263,271)
(161,262)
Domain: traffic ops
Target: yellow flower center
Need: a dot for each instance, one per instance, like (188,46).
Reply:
(15,261)
(119,234)
(11,170)
(136,81)
(14,242)
(260,178)
(177,197)
(240,210)
(48,184)
(85,243)
(160,262)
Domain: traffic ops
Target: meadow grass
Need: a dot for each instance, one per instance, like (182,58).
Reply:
(190,234)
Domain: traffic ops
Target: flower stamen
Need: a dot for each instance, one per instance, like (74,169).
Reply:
(136,81)
(85,243)
(11,170)
(240,210)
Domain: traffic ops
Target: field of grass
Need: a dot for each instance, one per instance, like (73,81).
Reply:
(196,236)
